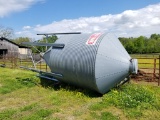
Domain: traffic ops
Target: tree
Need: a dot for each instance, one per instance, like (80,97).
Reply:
(151,45)
(36,49)
(142,44)
(139,44)
(50,39)
(158,46)
(155,36)
(130,47)
(6,32)
(21,39)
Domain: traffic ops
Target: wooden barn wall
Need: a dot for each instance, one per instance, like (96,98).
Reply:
(12,49)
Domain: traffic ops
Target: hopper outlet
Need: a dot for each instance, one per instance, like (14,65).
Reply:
(133,66)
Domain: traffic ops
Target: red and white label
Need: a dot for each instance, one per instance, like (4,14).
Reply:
(93,39)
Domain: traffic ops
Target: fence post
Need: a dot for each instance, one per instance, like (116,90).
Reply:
(154,69)
(40,64)
(46,67)
(159,72)
(3,59)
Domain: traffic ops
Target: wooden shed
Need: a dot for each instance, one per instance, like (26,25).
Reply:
(9,48)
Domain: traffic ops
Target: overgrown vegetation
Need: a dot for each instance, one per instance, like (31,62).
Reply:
(23,96)
(132,99)
(142,44)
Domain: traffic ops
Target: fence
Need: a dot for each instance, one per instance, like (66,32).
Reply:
(10,61)
(149,67)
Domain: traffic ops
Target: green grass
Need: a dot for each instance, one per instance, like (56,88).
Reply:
(25,97)
(146,60)
(13,79)
(147,63)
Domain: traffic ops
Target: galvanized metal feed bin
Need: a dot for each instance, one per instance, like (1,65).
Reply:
(97,61)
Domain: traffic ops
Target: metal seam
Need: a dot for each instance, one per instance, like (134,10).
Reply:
(112,58)
(110,74)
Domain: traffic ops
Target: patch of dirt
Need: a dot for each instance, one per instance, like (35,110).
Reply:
(145,75)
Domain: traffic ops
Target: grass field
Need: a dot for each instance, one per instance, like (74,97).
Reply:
(146,60)
(147,63)
(23,96)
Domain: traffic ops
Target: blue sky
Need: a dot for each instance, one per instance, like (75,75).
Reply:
(123,17)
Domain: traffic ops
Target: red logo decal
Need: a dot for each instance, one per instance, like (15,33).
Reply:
(93,38)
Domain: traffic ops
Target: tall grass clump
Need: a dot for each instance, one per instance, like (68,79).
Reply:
(130,96)
(132,99)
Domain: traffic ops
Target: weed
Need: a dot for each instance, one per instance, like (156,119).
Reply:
(104,116)
(130,96)
(98,106)
(43,113)
(28,107)
(78,113)
(133,113)
(133,99)
(38,115)
(108,116)
(6,114)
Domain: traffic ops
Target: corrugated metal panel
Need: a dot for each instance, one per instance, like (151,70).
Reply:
(98,66)
(76,61)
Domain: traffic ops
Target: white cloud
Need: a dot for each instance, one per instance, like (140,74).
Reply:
(10,6)
(27,33)
(145,21)
(27,27)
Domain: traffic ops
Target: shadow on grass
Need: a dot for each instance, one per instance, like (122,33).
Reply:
(68,87)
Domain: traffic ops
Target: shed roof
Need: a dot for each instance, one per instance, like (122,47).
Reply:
(20,46)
